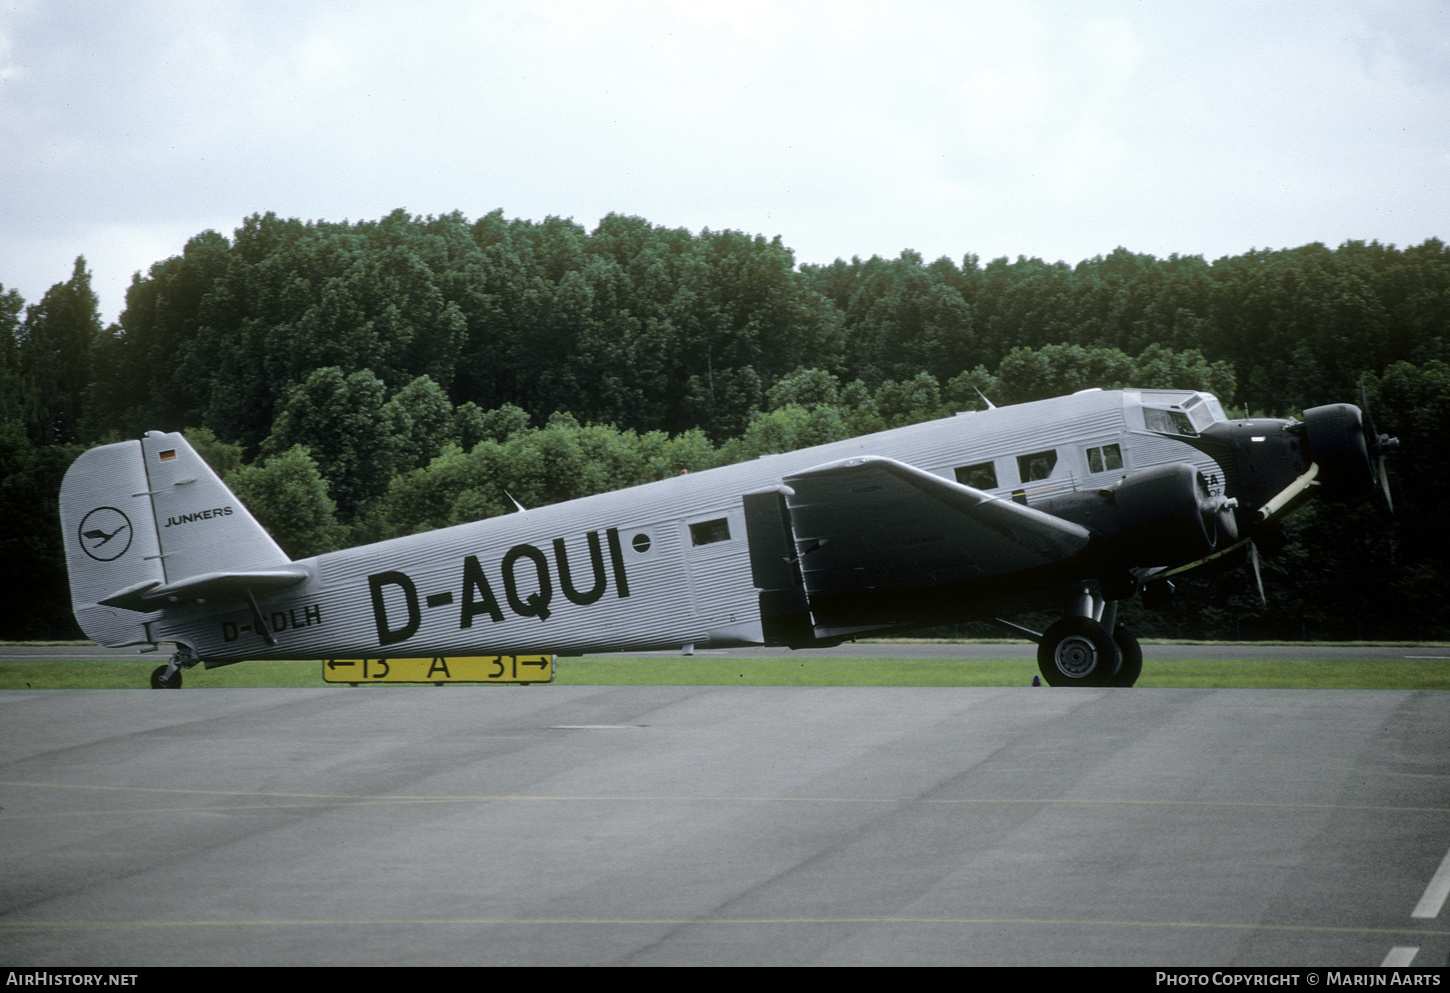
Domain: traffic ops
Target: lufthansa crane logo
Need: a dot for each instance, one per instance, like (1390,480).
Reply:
(105,534)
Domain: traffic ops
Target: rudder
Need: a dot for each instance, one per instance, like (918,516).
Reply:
(201,525)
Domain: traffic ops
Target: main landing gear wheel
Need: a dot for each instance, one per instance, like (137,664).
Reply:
(1078,651)
(1132,653)
(160,682)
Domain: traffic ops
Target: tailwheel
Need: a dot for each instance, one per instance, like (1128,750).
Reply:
(160,680)
(1078,651)
(168,677)
(1132,653)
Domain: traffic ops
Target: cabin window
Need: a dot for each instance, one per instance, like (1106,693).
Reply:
(982,476)
(709,532)
(1038,465)
(1104,459)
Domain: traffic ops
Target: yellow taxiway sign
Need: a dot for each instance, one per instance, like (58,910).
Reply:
(480,669)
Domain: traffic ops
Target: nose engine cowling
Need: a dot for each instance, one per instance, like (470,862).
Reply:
(1335,437)
(1343,441)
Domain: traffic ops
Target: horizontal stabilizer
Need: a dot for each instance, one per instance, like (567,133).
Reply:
(208,586)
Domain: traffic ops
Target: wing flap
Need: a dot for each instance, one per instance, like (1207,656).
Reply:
(874,523)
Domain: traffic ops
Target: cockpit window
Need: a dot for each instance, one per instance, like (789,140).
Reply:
(1199,412)
(1168,421)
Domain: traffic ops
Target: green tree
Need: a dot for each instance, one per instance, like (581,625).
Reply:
(972,389)
(785,429)
(911,402)
(805,388)
(57,341)
(858,407)
(223,458)
(722,401)
(1055,370)
(33,578)
(471,425)
(12,386)
(456,487)
(341,421)
(288,495)
(421,420)
(666,455)
(1160,368)
(156,368)
(1412,402)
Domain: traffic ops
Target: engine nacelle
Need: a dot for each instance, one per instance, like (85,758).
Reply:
(1336,437)
(1162,516)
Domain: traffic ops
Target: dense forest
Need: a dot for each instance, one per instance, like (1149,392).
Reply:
(354,381)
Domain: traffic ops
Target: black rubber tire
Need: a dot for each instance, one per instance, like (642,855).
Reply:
(157,684)
(1078,651)
(1132,653)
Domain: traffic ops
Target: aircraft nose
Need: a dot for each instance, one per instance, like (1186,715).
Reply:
(1348,450)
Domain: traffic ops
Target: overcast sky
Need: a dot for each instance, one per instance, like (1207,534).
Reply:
(1050,129)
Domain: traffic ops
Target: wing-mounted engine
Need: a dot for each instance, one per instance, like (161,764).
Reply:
(1162,516)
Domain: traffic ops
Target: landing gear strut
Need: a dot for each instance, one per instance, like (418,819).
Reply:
(168,676)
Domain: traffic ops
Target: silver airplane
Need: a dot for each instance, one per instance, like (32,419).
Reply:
(1070,504)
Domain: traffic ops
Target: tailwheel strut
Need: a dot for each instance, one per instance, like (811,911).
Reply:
(168,676)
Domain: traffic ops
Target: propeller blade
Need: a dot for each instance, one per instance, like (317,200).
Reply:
(1258,575)
(1377,445)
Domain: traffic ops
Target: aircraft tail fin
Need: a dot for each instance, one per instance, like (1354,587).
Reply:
(146,520)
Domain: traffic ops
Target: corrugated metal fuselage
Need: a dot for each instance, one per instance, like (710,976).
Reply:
(656,566)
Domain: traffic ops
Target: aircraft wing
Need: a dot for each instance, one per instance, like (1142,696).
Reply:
(876,524)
